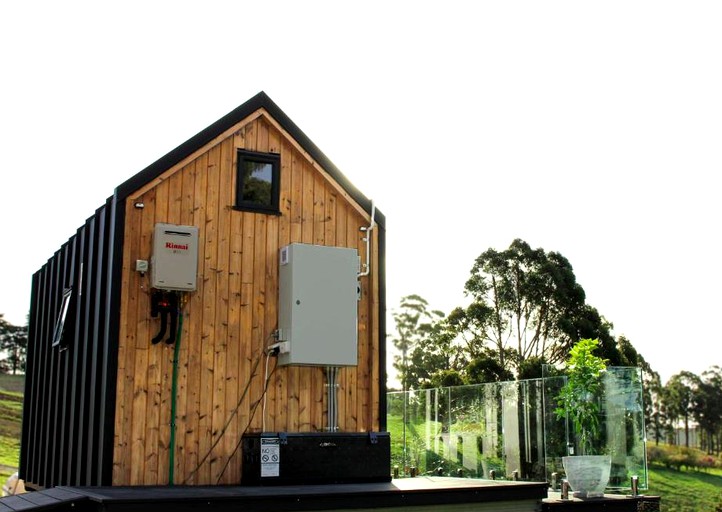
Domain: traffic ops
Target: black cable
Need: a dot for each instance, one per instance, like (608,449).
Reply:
(250,420)
(230,418)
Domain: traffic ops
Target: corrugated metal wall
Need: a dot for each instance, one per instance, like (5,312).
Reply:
(70,390)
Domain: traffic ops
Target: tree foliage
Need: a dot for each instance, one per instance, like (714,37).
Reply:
(688,398)
(678,400)
(526,310)
(526,305)
(655,413)
(13,343)
(627,355)
(486,368)
(421,342)
(707,407)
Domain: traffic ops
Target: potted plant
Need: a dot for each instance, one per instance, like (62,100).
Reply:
(578,402)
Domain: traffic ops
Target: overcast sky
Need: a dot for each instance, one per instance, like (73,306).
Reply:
(591,129)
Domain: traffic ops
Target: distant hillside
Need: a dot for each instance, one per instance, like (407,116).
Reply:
(11,412)
(13,383)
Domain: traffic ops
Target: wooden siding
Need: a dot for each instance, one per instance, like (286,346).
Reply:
(228,320)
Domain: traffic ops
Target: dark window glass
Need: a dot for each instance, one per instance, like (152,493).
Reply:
(60,321)
(258,181)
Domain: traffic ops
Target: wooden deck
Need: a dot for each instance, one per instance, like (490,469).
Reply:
(610,503)
(58,498)
(407,495)
(410,495)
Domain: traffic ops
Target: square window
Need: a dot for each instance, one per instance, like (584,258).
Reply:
(257,181)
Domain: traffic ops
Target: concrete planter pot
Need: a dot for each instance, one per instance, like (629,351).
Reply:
(588,475)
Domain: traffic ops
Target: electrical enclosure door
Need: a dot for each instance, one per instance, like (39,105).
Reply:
(318,305)
(174,265)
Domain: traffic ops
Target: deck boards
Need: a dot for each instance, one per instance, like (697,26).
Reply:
(403,495)
(57,498)
(429,493)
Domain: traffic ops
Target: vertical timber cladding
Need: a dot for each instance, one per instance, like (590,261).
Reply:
(228,320)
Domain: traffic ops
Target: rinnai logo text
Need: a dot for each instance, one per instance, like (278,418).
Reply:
(171,245)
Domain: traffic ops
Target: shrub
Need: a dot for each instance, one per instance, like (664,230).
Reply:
(656,455)
(706,462)
(678,457)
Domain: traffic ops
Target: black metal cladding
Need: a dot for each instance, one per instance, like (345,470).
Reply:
(67,431)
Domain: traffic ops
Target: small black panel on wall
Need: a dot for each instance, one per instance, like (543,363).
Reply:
(279,458)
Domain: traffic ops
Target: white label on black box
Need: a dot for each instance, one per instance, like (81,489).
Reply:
(270,456)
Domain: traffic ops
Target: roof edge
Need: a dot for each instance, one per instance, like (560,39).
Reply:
(259,101)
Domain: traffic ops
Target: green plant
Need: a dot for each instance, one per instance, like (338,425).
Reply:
(578,398)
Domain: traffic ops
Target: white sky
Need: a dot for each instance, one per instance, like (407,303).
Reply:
(591,129)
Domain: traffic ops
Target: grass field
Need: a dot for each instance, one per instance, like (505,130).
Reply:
(686,491)
(11,405)
(14,383)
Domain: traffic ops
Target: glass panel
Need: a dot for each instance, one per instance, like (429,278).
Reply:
(465,428)
(509,430)
(491,450)
(556,434)
(257,182)
(622,428)
(624,424)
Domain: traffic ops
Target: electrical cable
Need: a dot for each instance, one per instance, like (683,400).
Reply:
(230,418)
(250,420)
(265,386)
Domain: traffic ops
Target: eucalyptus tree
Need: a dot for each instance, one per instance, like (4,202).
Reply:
(655,413)
(525,303)
(651,383)
(436,359)
(418,329)
(678,400)
(14,342)
(707,407)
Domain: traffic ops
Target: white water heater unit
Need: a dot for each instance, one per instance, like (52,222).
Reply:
(174,265)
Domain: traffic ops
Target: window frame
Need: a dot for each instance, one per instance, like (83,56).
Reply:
(274,159)
(61,318)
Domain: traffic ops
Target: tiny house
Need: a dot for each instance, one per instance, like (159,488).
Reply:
(161,331)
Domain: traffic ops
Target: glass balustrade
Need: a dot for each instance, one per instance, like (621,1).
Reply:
(509,430)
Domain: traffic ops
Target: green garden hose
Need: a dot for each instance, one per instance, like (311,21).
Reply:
(174,387)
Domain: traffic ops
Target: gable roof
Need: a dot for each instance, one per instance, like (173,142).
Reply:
(259,101)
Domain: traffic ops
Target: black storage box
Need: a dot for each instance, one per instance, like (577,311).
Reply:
(279,458)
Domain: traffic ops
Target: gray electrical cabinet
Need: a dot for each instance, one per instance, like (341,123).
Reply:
(318,305)
(174,264)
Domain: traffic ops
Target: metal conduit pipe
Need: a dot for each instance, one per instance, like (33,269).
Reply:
(332,398)
(367,266)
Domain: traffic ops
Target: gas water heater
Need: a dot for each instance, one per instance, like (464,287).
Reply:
(174,264)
